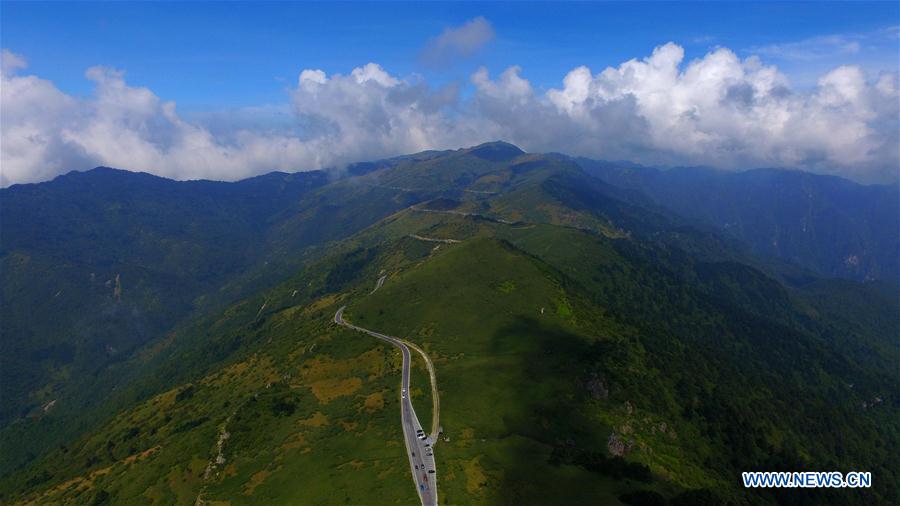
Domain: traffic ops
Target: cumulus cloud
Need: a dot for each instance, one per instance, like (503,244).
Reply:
(46,132)
(370,113)
(718,110)
(459,42)
(726,112)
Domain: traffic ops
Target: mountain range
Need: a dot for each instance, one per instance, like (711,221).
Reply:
(601,333)
(830,225)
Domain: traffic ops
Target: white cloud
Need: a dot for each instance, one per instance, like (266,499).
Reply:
(45,132)
(717,110)
(31,146)
(459,42)
(10,62)
(370,114)
(828,47)
(813,48)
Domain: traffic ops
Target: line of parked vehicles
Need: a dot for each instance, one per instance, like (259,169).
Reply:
(428,451)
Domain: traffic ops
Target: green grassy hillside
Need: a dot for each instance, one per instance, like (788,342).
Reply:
(589,349)
(303,402)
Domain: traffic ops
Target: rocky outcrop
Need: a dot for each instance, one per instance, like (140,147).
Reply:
(597,387)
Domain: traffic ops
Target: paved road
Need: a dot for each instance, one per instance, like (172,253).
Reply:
(461,213)
(433,239)
(378,284)
(435,397)
(418,450)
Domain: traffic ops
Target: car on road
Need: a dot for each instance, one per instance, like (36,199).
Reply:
(431,471)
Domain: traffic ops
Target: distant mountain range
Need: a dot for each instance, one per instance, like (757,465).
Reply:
(602,333)
(830,225)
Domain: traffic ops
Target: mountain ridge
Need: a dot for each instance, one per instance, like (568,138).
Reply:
(666,317)
(828,224)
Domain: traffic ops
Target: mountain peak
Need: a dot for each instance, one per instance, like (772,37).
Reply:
(106,172)
(496,151)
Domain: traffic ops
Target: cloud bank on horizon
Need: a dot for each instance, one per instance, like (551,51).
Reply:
(718,110)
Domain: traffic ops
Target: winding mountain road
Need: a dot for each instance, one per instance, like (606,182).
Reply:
(461,213)
(378,284)
(418,445)
(434,239)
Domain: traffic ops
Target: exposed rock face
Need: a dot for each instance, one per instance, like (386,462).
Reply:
(597,387)
(117,291)
(616,445)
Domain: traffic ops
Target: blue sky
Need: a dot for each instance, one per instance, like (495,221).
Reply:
(211,55)
(230,90)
